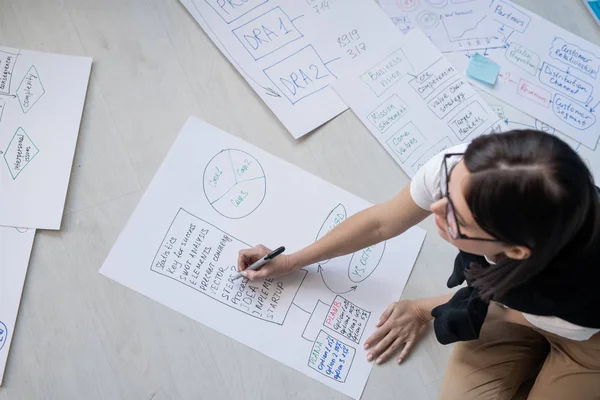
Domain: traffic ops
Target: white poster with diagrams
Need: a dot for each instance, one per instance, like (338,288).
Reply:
(215,195)
(414,102)
(15,249)
(513,118)
(452,25)
(290,51)
(550,73)
(41,103)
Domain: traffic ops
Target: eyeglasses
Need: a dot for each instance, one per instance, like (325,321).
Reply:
(451,220)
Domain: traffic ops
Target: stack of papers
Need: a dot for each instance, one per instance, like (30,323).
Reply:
(41,103)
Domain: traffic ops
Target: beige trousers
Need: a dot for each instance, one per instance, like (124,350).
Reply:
(511,361)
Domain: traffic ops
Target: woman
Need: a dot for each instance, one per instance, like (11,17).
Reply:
(524,212)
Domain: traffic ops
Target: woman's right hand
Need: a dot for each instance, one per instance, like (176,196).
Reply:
(279,266)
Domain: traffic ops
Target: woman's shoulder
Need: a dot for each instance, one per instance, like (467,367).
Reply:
(425,186)
(434,164)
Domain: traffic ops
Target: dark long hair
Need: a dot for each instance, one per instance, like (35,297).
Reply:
(529,188)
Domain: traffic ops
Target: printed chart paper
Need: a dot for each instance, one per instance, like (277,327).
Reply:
(452,25)
(549,72)
(415,102)
(15,249)
(41,102)
(291,51)
(215,195)
(512,118)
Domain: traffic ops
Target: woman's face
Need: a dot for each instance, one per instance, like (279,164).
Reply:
(459,178)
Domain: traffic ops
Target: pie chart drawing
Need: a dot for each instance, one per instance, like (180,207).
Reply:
(234,183)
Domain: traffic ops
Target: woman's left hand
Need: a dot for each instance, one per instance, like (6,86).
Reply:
(403,323)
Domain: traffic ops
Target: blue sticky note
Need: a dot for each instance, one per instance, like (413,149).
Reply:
(483,69)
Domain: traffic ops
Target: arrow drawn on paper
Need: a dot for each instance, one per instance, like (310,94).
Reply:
(320,270)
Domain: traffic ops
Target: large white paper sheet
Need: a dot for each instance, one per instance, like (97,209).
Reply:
(414,102)
(41,102)
(291,51)
(15,249)
(513,118)
(549,72)
(215,195)
(452,25)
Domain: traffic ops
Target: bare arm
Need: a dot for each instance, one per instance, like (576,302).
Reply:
(366,228)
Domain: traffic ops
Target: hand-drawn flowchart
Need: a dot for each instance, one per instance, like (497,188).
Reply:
(513,118)
(192,254)
(291,51)
(314,320)
(550,72)
(41,102)
(15,249)
(414,102)
(452,25)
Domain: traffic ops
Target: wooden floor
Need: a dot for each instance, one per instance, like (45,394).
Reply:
(82,336)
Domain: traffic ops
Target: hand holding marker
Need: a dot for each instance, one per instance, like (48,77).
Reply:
(261,262)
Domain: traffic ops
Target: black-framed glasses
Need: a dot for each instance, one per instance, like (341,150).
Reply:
(451,219)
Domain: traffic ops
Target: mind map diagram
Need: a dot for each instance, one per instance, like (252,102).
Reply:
(201,256)
(551,72)
(514,119)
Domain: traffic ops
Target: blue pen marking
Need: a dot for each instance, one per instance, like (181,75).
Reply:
(3,334)
(301,74)
(572,113)
(331,357)
(565,83)
(510,16)
(231,10)
(574,56)
(267,33)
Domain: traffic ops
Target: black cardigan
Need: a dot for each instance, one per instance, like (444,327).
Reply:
(568,289)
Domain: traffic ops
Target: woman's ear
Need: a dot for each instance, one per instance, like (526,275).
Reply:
(518,252)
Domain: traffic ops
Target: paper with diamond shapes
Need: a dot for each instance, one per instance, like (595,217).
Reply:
(41,103)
